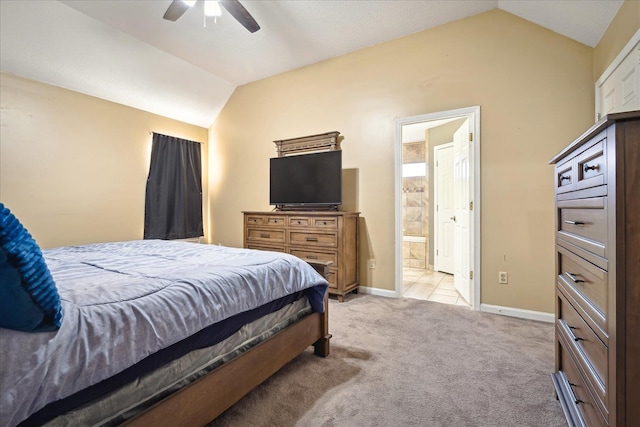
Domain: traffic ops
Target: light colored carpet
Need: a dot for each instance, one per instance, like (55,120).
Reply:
(405,362)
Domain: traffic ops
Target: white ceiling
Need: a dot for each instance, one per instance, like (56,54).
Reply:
(123,51)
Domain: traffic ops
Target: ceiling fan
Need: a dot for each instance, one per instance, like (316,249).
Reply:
(178,7)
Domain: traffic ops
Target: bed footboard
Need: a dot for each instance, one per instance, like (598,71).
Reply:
(208,397)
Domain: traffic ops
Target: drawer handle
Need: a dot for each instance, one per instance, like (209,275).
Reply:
(312,257)
(588,168)
(575,338)
(563,177)
(298,222)
(573,222)
(324,222)
(573,277)
(265,236)
(573,328)
(312,239)
(575,399)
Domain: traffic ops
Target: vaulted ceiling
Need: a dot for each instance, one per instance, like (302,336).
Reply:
(123,51)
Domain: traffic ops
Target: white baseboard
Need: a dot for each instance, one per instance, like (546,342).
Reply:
(540,316)
(521,313)
(378,292)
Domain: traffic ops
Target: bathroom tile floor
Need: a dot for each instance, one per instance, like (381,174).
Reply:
(431,286)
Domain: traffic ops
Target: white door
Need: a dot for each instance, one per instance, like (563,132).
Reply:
(462,234)
(444,209)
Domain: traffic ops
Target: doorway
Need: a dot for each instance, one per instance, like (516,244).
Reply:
(437,207)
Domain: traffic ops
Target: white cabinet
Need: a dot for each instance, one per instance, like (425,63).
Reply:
(618,89)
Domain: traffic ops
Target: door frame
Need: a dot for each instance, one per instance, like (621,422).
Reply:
(473,113)
(436,213)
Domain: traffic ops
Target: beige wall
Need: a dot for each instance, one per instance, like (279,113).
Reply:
(624,25)
(535,90)
(73,168)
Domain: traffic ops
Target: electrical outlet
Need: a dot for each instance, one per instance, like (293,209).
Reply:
(503,278)
(372,263)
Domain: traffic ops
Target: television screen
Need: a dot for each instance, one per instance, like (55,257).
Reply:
(306,179)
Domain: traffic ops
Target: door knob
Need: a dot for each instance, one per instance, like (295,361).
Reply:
(453,218)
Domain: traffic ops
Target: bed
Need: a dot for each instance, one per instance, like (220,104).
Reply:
(160,333)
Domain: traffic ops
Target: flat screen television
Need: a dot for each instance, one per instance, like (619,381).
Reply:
(306,180)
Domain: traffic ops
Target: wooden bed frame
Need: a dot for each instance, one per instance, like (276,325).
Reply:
(203,400)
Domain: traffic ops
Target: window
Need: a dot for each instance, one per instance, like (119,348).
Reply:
(410,170)
(173,202)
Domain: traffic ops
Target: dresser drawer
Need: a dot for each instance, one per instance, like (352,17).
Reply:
(264,247)
(583,223)
(587,346)
(275,221)
(580,395)
(564,177)
(316,256)
(585,169)
(329,222)
(265,236)
(323,222)
(265,220)
(300,221)
(590,166)
(255,219)
(586,283)
(316,239)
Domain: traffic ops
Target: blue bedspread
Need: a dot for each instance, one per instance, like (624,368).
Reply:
(125,301)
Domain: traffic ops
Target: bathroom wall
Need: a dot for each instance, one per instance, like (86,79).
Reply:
(415,208)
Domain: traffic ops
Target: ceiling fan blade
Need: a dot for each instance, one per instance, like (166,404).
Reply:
(176,9)
(241,14)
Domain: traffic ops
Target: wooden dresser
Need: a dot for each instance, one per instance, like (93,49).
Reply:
(313,236)
(597,179)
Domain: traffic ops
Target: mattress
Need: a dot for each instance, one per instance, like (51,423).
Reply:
(123,302)
(124,403)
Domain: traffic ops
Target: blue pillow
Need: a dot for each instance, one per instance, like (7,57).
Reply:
(29,299)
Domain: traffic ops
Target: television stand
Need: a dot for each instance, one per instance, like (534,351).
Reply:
(312,236)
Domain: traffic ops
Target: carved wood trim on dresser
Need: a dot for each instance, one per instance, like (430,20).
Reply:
(597,180)
(324,236)
(328,141)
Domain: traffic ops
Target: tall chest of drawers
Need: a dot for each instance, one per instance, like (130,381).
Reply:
(313,236)
(597,179)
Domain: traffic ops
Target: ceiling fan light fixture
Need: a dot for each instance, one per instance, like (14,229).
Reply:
(212,8)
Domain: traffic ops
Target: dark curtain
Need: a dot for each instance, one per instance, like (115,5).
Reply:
(173,203)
